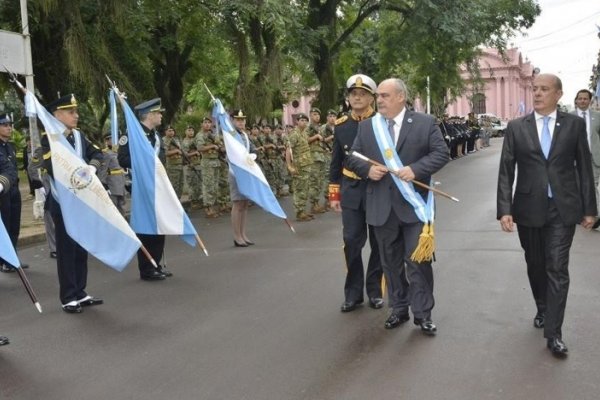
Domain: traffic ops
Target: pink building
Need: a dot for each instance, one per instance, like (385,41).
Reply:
(506,90)
(299,104)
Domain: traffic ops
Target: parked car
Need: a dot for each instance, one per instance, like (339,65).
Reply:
(494,125)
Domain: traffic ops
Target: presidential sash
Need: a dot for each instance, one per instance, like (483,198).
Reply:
(425,211)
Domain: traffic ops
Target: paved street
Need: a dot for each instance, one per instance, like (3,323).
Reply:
(263,322)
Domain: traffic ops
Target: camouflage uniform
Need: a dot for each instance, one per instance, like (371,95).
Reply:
(318,172)
(275,165)
(210,171)
(327,132)
(194,175)
(297,142)
(174,164)
(223,199)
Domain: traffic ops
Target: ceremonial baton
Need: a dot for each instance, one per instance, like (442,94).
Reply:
(424,186)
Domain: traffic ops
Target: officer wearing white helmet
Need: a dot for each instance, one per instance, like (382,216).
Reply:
(347,193)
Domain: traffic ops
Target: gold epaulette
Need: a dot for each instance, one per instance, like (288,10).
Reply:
(341,120)
(47,155)
(350,174)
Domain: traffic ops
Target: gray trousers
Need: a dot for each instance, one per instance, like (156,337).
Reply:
(409,283)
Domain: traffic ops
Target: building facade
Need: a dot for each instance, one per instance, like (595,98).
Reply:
(506,90)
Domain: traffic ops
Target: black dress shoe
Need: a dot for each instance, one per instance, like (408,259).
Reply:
(596,224)
(395,319)
(236,244)
(539,320)
(376,302)
(7,269)
(557,347)
(427,326)
(4,340)
(90,301)
(153,275)
(52,254)
(348,306)
(72,308)
(24,265)
(163,270)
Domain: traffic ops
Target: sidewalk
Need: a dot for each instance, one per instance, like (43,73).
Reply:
(33,231)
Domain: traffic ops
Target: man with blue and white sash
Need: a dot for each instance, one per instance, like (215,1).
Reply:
(411,147)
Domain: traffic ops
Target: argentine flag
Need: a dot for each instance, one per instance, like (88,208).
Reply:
(90,216)
(155,208)
(7,251)
(249,177)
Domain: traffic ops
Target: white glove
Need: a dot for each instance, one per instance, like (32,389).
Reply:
(43,190)
(92,169)
(1,187)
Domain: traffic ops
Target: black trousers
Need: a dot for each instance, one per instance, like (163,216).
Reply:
(547,256)
(409,283)
(355,231)
(155,244)
(10,210)
(71,262)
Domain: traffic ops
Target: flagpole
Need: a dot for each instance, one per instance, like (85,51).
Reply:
(148,256)
(201,244)
(424,186)
(29,289)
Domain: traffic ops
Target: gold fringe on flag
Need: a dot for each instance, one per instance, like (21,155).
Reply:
(426,246)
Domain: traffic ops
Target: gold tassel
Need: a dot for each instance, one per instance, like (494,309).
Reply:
(426,246)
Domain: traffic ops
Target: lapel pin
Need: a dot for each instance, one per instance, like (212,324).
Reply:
(409,120)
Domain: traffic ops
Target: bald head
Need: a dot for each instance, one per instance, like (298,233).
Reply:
(391,97)
(547,91)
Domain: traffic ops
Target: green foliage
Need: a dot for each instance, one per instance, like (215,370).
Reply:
(253,54)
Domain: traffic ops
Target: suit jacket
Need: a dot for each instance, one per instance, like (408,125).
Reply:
(568,169)
(594,139)
(420,146)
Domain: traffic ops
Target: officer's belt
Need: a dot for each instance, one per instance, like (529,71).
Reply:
(349,174)
(119,171)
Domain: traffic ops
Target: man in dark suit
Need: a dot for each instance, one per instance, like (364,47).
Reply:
(553,193)
(347,194)
(421,150)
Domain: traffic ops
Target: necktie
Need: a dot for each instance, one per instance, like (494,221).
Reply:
(391,124)
(587,129)
(71,139)
(546,141)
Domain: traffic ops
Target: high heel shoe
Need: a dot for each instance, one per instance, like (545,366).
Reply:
(236,244)
(249,242)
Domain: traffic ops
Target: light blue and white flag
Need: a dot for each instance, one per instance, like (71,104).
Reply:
(598,89)
(521,107)
(155,207)
(249,177)
(90,216)
(7,251)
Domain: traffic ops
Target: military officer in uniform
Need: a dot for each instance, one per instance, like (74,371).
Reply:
(112,175)
(318,172)
(8,178)
(71,258)
(150,115)
(175,155)
(347,194)
(208,144)
(10,204)
(193,174)
(299,162)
